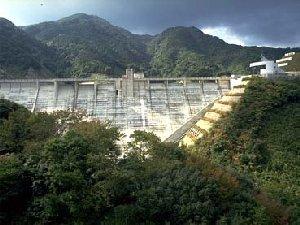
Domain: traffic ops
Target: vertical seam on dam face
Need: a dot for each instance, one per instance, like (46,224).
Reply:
(75,95)
(168,105)
(158,105)
(36,96)
(95,97)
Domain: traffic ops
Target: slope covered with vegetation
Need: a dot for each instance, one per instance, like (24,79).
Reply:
(23,56)
(55,169)
(261,139)
(92,44)
(187,51)
(81,45)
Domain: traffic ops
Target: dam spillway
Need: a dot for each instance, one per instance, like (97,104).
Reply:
(158,105)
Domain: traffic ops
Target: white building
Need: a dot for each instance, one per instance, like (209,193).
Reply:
(268,67)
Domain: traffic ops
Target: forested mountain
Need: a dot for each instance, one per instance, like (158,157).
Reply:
(187,51)
(24,56)
(81,44)
(92,44)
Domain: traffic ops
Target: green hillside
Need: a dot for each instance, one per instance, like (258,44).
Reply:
(92,44)
(261,138)
(56,169)
(81,45)
(187,51)
(24,56)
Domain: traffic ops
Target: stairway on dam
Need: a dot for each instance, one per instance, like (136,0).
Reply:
(202,123)
(158,105)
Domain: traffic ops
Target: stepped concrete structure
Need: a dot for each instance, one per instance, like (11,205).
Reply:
(202,123)
(158,105)
(290,63)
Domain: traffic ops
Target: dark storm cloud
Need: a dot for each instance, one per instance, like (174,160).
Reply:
(256,22)
(268,22)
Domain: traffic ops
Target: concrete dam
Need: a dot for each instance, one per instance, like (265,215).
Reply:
(158,105)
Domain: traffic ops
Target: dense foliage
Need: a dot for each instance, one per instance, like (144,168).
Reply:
(24,56)
(55,169)
(261,138)
(92,45)
(81,45)
(186,51)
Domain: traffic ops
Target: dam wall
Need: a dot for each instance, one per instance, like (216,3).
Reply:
(158,105)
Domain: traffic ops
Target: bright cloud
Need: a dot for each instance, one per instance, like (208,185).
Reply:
(224,33)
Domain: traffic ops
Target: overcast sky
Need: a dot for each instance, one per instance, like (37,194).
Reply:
(246,22)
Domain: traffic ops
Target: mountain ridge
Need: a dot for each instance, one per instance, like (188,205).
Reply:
(89,44)
(109,49)
(23,56)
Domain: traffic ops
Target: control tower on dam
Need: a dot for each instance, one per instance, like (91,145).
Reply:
(158,105)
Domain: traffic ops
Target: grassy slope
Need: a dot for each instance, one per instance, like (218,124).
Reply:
(280,178)
(260,138)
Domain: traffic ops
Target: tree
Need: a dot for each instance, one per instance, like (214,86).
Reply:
(75,180)
(6,107)
(148,145)
(15,191)
(14,131)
